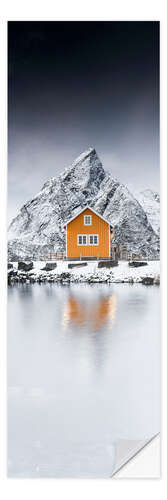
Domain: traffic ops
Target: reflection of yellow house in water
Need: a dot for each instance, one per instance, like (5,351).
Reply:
(80,313)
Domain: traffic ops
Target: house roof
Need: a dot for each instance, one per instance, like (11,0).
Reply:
(92,209)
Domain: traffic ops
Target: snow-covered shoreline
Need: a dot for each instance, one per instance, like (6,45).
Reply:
(90,273)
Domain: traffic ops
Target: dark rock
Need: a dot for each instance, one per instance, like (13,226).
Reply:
(32,280)
(78,264)
(137,263)
(22,280)
(49,266)
(50,279)
(23,266)
(65,276)
(9,280)
(10,266)
(107,263)
(12,272)
(131,280)
(147,280)
(157,280)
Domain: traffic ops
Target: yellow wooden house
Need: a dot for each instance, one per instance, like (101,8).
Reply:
(88,235)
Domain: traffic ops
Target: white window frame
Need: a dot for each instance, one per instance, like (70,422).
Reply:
(82,244)
(94,244)
(87,223)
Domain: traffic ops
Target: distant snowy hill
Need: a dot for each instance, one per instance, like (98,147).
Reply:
(39,226)
(150,202)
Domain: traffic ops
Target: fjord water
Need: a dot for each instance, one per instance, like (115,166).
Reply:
(83,373)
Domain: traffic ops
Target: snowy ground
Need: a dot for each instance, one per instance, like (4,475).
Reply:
(123,272)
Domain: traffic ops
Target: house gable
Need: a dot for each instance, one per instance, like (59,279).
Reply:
(83,210)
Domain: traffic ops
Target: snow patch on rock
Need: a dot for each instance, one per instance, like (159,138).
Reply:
(150,202)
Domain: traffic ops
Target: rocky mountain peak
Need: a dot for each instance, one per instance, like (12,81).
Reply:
(87,169)
(90,152)
(39,226)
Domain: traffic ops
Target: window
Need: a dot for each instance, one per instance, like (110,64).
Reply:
(82,239)
(88,239)
(93,239)
(87,220)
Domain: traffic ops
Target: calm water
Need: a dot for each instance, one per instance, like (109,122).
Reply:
(83,372)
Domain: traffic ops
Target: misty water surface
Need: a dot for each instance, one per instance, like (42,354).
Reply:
(83,372)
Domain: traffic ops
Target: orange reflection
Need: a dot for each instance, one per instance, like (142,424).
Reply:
(104,311)
(74,312)
(96,314)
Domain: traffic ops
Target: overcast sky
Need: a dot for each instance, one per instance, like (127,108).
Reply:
(73,85)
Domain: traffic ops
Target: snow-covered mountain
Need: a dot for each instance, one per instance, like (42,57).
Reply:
(150,202)
(39,226)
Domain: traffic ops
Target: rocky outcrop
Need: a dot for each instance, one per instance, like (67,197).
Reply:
(23,266)
(77,264)
(136,263)
(49,266)
(147,280)
(107,263)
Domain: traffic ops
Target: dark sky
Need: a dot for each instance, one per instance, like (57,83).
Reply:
(73,85)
